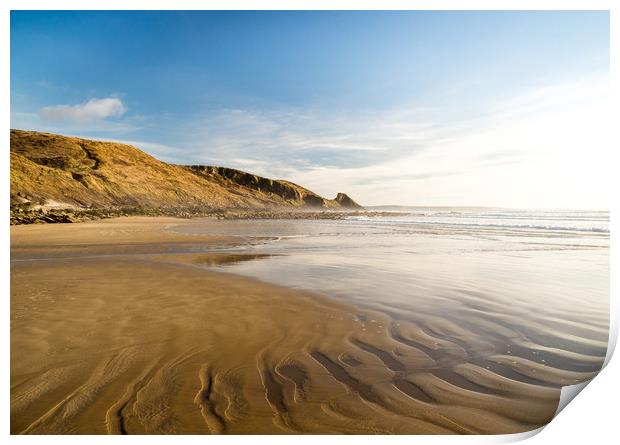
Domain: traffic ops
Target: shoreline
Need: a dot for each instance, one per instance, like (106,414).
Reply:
(26,216)
(135,341)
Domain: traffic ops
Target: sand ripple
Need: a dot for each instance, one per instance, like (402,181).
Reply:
(143,345)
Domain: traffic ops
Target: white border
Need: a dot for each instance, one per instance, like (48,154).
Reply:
(316,4)
(592,418)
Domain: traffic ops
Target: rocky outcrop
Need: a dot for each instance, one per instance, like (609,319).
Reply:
(346,202)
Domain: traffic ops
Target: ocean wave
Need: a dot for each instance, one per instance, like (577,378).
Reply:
(479,225)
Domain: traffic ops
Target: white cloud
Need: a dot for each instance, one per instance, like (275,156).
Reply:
(94,118)
(93,110)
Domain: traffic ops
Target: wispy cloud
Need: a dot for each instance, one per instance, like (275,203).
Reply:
(549,149)
(543,147)
(92,110)
(294,139)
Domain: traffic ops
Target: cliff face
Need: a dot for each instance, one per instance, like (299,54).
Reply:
(66,171)
(287,191)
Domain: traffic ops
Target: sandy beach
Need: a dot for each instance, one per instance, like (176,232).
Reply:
(275,221)
(118,328)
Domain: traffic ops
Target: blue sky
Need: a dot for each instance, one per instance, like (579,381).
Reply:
(417,107)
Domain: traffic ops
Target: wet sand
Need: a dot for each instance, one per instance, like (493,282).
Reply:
(116,327)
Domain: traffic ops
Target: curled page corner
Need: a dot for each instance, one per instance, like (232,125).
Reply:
(517,437)
(613,336)
(568,393)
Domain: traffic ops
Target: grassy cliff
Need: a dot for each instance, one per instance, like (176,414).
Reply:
(54,171)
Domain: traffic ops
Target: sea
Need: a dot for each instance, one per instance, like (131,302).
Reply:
(531,283)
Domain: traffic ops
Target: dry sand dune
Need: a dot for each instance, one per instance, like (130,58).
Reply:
(116,329)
